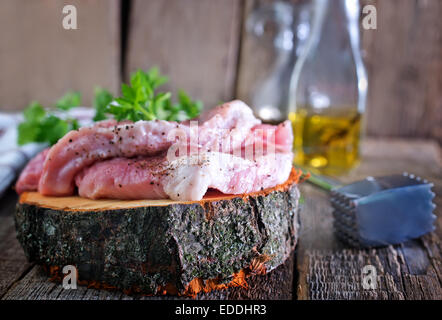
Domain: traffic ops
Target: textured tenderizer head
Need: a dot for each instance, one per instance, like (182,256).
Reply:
(382,211)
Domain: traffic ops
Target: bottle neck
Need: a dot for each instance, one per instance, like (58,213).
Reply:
(334,22)
(319,12)
(352,12)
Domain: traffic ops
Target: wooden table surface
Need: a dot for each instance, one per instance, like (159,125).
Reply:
(326,268)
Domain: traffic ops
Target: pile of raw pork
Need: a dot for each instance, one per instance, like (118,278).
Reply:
(226,149)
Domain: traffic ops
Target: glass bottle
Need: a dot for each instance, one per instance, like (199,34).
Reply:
(328,90)
(289,26)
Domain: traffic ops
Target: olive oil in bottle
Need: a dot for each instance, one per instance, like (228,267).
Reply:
(329,87)
(327,142)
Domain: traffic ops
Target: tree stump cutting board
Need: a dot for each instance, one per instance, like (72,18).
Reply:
(217,247)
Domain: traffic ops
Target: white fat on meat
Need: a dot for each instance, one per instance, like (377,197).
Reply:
(190,177)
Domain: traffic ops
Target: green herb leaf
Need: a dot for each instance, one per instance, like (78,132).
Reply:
(191,108)
(140,101)
(69,100)
(27,132)
(35,112)
(101,101)
(40,126)
(52,129)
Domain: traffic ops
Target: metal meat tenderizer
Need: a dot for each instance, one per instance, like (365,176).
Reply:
(381,211)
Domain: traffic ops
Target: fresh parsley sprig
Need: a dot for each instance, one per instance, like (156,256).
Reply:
(68,101)
(101,101)
(140,100)
(40,125)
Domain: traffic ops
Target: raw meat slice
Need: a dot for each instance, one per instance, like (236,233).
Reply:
(81,148)
(232,122)
(30,176)
(186,178)
(190,177)
(282,135)
(273,138)
(122,178)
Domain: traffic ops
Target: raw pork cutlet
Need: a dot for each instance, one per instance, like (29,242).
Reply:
(282,135)
(259,140)
(122,178)
(81,148)
(30,176)
(185,179)
(272,138)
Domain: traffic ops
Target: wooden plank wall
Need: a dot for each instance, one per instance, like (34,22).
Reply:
(404,61)
(203,46)
(40,60)
(194,42)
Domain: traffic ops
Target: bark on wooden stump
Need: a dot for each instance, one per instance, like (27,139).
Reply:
(157,247)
